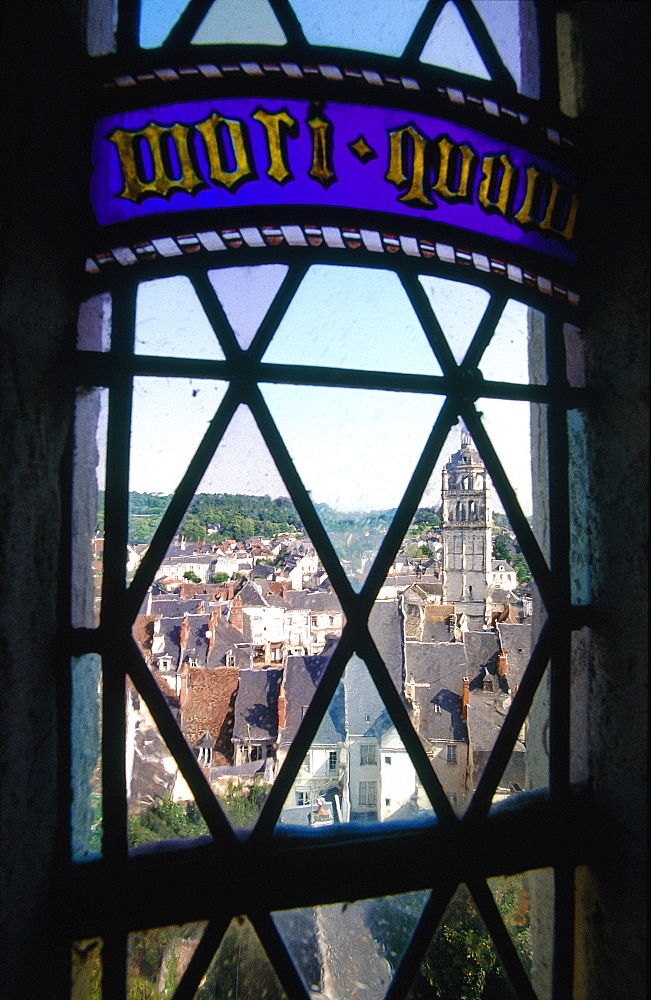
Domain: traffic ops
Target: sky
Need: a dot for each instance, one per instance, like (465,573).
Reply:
(355,449)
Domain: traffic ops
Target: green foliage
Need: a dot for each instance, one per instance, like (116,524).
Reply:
(521,567)
(242,803)
(152,952)
(192,576)
(166,821)
(501,547)
(461,962)
(218,577)
(242,969)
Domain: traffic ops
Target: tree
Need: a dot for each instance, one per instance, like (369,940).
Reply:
(501,547)
(218,577)
(521,567)
(191,576)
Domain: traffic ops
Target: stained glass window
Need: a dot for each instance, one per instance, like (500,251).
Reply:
(324,611)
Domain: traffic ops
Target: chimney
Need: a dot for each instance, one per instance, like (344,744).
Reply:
(465,698)
(210,632)
(236,614)
(184,633)
(282,708)
(502,663)
(183,686)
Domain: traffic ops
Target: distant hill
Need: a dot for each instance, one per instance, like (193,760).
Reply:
(241,516)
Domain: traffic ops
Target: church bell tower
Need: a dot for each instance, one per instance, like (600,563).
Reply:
(466,529)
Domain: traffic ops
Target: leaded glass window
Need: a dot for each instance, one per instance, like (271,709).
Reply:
(324,367)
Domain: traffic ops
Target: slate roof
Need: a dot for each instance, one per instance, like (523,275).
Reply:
(481,649)
(515,640)
(251,597)
(226,637)
(486,713)
(302,676)
(442,666)
(503,565)
(256,705)
(316,601)
(385,626)
(209,708)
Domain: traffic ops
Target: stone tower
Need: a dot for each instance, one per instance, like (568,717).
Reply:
(466,529)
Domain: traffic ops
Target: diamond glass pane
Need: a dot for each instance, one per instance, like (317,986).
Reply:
(241,969)
(350,949)
(450,45)
(458,308)
(161,806)
(245,294)
(506,359)
(513,895)
(169,419)
(516,40)
(342,442)
(157,18)
(232,22)
(352,317)
(461,960)
(368,25)
(357,769)
(170,321)
(158,957)
(510,425)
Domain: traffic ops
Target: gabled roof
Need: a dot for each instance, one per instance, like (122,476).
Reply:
(251,596)
(256,705)
(486,713)
(301,678)
(209,708)
(315,601)
(481,654)
(515,640)
(437,670)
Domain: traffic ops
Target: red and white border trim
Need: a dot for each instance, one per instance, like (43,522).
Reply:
(336,237)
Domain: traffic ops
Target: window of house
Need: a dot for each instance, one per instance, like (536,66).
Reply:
(238,241)
(303,796)
(367,793)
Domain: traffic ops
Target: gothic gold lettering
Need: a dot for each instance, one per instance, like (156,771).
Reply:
(543,190)
(277,125)
(456,165)
(213,130)
(497,184)
(161,183)
(322,169)
(398,171)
